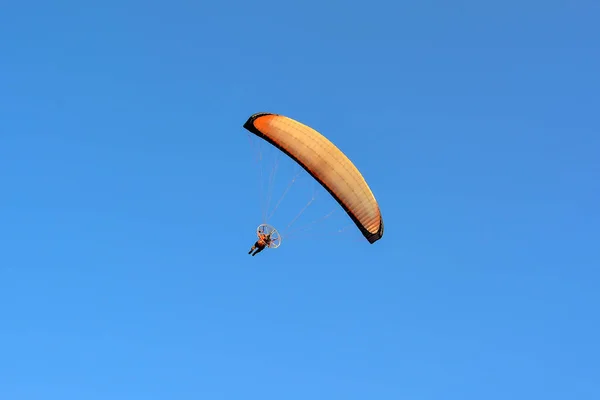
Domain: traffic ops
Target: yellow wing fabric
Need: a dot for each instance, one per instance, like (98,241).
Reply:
(327,164)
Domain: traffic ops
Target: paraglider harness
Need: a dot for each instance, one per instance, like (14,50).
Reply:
(262,243)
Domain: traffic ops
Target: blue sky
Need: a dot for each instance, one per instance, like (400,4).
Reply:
(129,200)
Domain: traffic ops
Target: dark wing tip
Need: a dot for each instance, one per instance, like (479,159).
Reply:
(250,122)
(375,237)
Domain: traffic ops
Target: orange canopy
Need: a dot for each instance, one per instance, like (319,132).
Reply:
(327,164)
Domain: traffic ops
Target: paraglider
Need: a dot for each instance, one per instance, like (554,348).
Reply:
(261,243)
(327,164)
(267,237)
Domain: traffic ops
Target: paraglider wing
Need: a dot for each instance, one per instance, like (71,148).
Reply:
(327,164)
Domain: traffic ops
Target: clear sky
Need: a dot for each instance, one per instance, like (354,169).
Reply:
(129,197)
